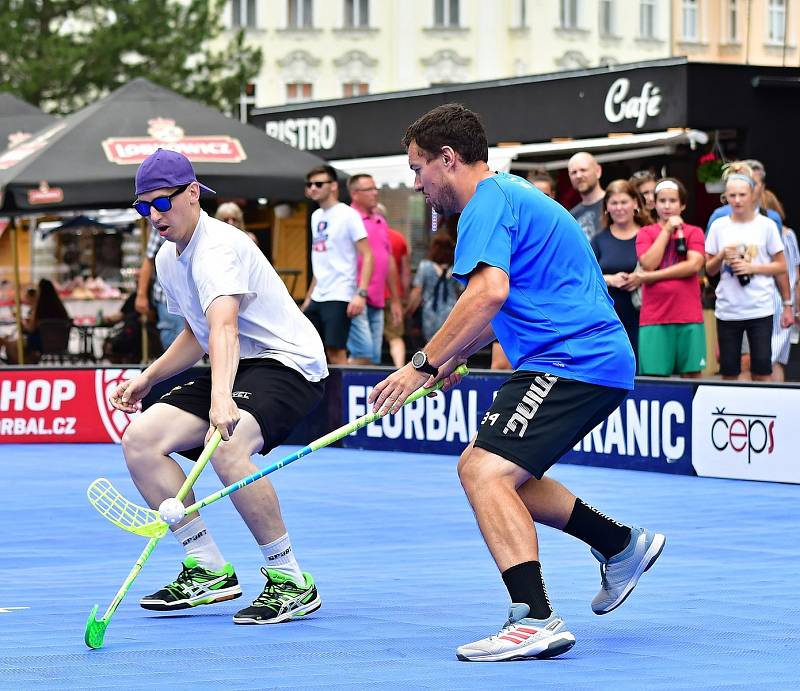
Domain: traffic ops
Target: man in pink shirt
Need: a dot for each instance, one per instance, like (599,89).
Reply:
(366,330)
(394,332)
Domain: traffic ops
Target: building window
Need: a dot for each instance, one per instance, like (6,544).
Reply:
(356,14)
(446,13)
(298,91)
(607,27)
(243,14)
(569,13)
(733,21)
(300,14)
(647,19)
(689,20)
(350,89)
(776,21)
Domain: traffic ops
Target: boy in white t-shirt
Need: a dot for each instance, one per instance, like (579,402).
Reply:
(338,236)
(267,373)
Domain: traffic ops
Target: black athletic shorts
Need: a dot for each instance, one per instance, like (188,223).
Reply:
(536,418)
(331,321)
(277,396)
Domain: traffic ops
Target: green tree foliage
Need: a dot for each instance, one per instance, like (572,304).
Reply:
(63,54)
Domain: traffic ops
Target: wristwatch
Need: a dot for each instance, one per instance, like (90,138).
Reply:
(787,303)
(362,293)
(419,362)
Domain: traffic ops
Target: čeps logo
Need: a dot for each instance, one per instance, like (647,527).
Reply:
(740,432)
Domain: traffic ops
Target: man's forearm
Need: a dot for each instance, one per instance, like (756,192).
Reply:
(145,274)
(223,354)
(464,327)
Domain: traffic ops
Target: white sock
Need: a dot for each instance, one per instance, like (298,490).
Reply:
(280,557)
(198,543)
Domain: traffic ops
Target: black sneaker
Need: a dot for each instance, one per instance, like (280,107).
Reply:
(195,585)
(281,600)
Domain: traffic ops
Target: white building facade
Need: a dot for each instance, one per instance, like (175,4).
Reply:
(325,49)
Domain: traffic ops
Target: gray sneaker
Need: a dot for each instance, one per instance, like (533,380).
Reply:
(620,574)
(521,638)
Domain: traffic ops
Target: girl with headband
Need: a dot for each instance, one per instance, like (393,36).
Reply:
(746,249)
(671,333)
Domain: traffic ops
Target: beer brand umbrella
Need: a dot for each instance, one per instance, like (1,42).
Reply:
(18,120)
(89,159)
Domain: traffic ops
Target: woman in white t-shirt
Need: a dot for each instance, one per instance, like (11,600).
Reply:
(745,248)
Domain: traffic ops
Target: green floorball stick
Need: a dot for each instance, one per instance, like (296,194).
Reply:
(143,521)
(96,628)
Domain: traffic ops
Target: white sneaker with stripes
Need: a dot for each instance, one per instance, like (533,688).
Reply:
(521,638)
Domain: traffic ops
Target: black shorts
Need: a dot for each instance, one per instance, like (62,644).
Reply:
(331,321)
(759,337)
(277,396)
(536,418)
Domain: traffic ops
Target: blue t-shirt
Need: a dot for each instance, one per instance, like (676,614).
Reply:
(726,211)
(558,317)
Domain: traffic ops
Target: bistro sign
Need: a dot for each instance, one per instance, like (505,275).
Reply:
(308,134)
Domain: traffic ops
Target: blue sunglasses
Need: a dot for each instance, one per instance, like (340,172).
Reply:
(160,204)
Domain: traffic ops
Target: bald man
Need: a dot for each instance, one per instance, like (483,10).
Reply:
(584,174)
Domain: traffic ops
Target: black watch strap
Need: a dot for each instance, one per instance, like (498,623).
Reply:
(426,366)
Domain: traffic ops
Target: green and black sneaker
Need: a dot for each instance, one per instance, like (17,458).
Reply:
(195,585)
(281,600)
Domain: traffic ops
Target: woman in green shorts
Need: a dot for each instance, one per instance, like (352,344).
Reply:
(671,254)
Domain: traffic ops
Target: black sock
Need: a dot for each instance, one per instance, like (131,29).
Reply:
(605,534)
(526,585)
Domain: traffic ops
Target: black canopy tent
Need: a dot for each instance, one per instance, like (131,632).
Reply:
(88,160)
(19,119)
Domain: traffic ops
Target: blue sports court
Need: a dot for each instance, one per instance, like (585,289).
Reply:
(404,578)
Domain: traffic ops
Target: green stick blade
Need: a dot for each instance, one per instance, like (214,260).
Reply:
(95,630)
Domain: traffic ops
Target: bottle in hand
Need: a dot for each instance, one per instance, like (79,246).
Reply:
(680,243)
(744,279)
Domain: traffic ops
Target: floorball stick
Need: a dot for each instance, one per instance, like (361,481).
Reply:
(96,628)
(147,522)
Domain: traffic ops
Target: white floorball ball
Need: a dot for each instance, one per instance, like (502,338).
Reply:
(171,511)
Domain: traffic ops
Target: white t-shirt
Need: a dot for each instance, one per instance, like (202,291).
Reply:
(221,260)
(759,240)
(334,234)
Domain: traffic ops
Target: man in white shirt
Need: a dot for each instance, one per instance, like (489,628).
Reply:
(267,373)
(336,293)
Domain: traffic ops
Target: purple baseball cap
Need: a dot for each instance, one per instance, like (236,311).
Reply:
(165,168)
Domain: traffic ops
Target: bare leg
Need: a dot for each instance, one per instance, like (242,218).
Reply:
(397,348)
(778,372)
(147,443)
(548,501)
(257,503)
(491,483)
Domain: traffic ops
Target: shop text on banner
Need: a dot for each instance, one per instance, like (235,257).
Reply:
(650,430)
(58,406)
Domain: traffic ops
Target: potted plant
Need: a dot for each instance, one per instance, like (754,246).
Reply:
(709,172)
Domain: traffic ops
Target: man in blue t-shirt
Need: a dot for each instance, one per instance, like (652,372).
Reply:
(533,283)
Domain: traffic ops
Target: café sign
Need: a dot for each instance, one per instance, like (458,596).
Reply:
(622,104)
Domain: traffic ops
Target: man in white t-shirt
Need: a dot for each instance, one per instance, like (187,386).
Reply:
(267,373)
(336,294)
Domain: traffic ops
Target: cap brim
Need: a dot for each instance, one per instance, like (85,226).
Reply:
(206,189)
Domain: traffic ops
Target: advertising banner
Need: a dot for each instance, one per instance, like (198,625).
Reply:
(746,433)
(59,406)
(650,430)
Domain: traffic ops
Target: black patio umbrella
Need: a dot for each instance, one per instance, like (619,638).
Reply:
(89,159)
(19,119)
